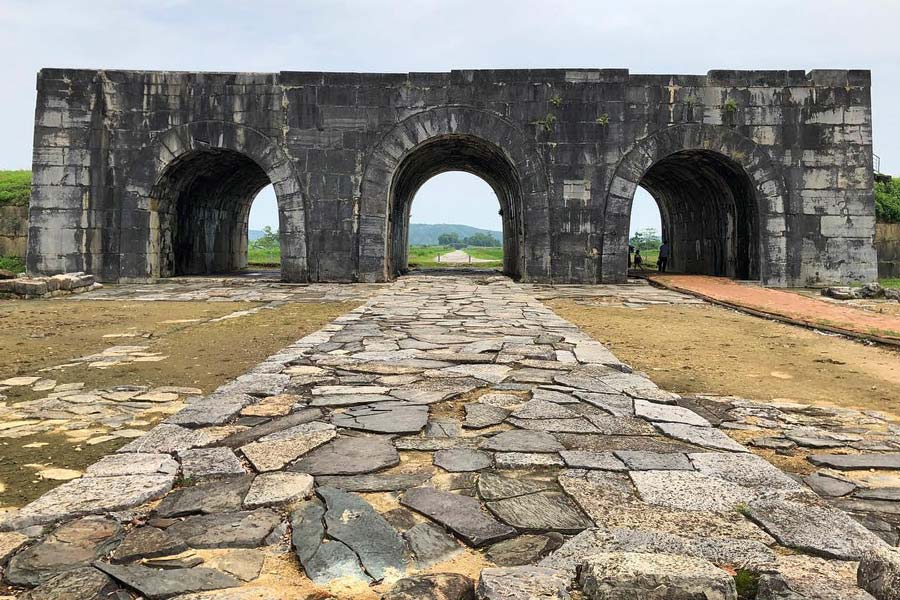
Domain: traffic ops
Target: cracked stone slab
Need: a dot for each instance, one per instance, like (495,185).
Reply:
(462,514)
(213,410)
(242,438)
(847,462)
(462,460)
(639,575)
(526,460)
(431,544)
(84,582)
(349,456)
(271,489)
(168,439)
(748,470)
(90,496)
(376,482)
(133,463)
(543,409)
(274,451)
(438,586)
(807,577)
(479,415)
(585,459)
(241,529)
(707,437)
(576,425)
(493,486)
(803,524)
(524,549)
(638,460)
(147,542)
(352,521)
(323,560)
(387,417)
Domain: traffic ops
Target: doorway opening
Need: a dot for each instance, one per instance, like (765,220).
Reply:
(708,216)
(263,236)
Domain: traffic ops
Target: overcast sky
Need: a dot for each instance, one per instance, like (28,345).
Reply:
(660,36)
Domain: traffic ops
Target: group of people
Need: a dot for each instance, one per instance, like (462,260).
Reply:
(637,261)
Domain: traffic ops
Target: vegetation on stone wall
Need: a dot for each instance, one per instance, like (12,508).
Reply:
(12,263)
(887,201)
(15,188)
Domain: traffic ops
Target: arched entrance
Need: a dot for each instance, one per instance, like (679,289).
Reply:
(208,175)
(453,139)
(721,204)
(456,153)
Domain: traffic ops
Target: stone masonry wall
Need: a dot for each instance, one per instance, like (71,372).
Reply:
(566,148)
(887,243)
(13,230)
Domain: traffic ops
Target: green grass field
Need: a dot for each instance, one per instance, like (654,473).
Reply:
(423,257)
(890,283)
(487,253)
(264,257)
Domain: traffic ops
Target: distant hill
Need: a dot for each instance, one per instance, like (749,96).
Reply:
(422,234)
(255,234)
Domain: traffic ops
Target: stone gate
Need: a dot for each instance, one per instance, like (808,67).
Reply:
(761,175)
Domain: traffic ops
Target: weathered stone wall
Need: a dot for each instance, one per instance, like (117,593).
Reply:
(13,230)
(887,244)
(766,174)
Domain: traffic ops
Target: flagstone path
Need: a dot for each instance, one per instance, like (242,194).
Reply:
(452,434)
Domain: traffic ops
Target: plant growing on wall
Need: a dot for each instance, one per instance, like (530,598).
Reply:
(547,122)
(731,105)
(602,120)
(556,100)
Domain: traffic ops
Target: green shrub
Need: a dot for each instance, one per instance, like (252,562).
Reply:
(887,201)
(15,188)
(12,263)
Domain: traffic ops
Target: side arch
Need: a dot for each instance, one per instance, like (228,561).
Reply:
(453,138)
(242,157)
(698,143)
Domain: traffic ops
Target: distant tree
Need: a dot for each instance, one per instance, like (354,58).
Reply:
(646,239)
(482,239)
(887,200)
(448,239)
(269,240)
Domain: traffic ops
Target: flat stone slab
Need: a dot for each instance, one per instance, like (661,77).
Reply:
(542,511)
(349,456)
(389,417)
(524,549)
(584,459)
(740,553)
(70,546)
(274,451)
(517,583)
(462,460)
(147,542)
(133,463)
(522,441)
(165,583)
(639,575)
(438,586)
(270,489)
(747,470)
(431,544)
(492,486)
(462,514)
(375,482)
(479,415)
(802,577)
(209,463)
(829,486)
(206,498)
(707,437)
(168,439)
(847,462)
(670,413)
(352,521)
(81,583)
(813,528)
(689,490)
(543,409)
(639,460)
(90,495)
(879,573)
(242,438)
(526,460)
(242,529)
(213,410)
(338,400)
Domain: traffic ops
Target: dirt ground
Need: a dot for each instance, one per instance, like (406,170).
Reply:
(199,353)
(708,349)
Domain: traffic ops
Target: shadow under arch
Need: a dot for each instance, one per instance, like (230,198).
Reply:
(207,175)
(721,200)
(453,138)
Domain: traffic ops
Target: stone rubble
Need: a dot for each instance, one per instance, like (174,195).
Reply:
(457,419)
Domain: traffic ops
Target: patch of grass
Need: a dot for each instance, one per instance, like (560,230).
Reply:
(264,256)
(485,252)
(747,584)
(890,283)
(12,263)
(15,188)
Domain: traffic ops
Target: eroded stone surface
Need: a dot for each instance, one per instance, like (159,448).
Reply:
(515,583)
(349,456)
(461,514)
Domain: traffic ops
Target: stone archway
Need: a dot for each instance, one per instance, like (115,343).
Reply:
(721,198)
(461,139)
(207,174)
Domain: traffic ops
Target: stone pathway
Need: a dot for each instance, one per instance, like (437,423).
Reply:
(461,257)
(451,437)
(788,306)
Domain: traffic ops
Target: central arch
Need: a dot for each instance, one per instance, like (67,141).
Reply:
(721,202)
(453,138)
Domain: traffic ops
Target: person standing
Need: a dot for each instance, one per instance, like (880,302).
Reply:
(663,262)
(638,259)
